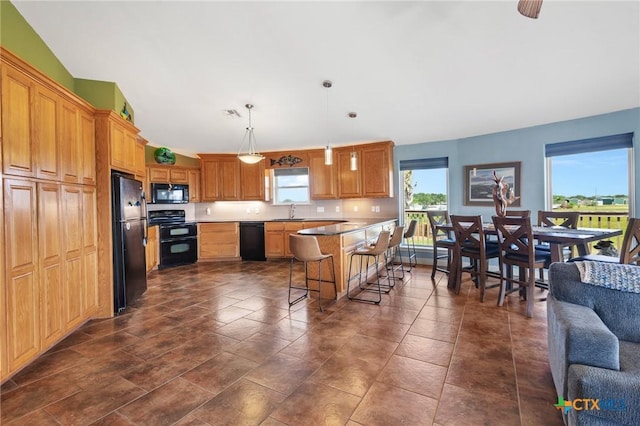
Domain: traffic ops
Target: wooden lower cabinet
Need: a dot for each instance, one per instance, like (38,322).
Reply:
(151,251)
(276,236)
(218,241)
(50,279)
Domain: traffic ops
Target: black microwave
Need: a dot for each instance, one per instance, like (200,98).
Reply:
(166,193)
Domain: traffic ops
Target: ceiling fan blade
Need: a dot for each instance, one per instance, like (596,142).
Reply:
(530,8)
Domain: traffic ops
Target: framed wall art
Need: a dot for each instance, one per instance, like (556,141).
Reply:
(479,183)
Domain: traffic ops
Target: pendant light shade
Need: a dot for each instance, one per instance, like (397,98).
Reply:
(328,152)
(328,155)
(251,157)
(353,161)
(530,8)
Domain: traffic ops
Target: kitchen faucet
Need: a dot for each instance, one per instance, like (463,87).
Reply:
(292,210)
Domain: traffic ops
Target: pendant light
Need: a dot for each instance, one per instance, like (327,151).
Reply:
(353,161)
(328,152)
(251,157)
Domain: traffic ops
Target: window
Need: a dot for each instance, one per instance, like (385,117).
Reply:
(291,185)
(425,188)
(592,176)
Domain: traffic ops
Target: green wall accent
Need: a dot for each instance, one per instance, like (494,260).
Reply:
(19,37)
(181,160)
(102,95)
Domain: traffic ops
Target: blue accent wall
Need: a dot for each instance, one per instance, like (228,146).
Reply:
(525,145)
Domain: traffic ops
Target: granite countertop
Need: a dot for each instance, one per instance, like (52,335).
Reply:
(345,227)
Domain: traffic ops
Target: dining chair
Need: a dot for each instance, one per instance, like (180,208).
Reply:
(470,242)
(629,251)
(441,239)
(409,238)
(305,248)
(562,219)
(367,254)
(517,248)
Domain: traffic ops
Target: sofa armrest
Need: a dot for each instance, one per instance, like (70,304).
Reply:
(577,336)
(617,392)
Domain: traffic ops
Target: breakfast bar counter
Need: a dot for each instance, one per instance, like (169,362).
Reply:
(341,239)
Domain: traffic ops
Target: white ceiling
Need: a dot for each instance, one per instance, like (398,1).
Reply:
(413,71)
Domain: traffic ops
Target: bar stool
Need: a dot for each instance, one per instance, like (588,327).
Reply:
(441,239)
(369,253)
(306,249)
(392,251)
(410,243)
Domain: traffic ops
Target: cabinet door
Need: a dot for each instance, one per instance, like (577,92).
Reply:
(274,239)
(252,181)
(88,144)
(159,175)
(218,240)
(50,237)
(211,180)
(45,134)
(17,141)
(70,146)
(194,186)
(74,292)
(376,171)
(130,152)
(89,251)
(349,181)
(117,146)
(140,168)
(151,251)
(179,176)
(22,288)
(322,179)
(230,179)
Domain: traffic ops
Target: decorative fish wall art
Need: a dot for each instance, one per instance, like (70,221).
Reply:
(286,160)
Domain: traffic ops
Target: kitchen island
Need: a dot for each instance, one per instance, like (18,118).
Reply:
(341,239)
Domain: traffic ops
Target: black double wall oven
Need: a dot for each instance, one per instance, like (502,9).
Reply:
(178,238)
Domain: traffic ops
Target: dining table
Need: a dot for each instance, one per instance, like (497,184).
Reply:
(556,236)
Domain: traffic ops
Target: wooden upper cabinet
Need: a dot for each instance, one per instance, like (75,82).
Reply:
(322,178)
(159,174)
(45,135)
(179,176)
(220,177)
(252,181)
(117,146)
(349,181)
(17,94)
(377,169)
(87,134)
(194,185)
(140,167)
(70,144)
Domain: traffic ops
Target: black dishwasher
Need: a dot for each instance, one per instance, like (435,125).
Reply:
(252,241)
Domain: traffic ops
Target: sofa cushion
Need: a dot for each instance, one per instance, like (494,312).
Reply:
(617,390)
(618,310)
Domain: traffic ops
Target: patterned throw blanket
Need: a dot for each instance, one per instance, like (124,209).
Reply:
(610,275)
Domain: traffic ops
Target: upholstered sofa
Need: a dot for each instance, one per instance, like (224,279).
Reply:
(594,343)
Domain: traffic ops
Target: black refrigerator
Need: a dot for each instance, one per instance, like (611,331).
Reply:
(129,240)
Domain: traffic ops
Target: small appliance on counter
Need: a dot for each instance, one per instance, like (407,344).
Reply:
(178,238)
(129,240)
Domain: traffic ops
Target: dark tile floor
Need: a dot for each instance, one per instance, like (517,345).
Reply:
(218,344)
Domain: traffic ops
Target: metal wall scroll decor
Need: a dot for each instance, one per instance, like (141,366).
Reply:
(286,160)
